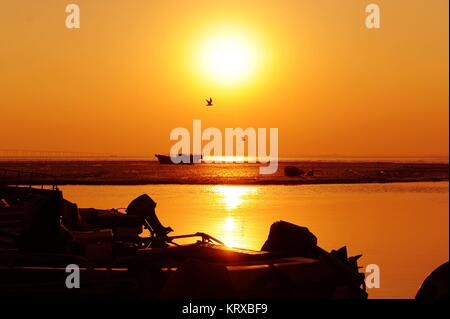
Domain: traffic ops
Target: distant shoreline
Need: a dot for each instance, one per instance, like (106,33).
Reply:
(150,172)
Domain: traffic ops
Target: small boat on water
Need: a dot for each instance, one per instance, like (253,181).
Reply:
(41,233)
(181,159)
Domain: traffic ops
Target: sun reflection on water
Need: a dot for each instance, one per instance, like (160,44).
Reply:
(231,236)
(231,228)
(229,225)
(233,196)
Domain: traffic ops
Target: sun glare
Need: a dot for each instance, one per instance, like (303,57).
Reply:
(228,58)
(233,196)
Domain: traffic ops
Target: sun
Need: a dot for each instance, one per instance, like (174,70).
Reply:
(228,58)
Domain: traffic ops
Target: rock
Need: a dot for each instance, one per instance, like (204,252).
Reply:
(293,171)
(435,285)
(285,237)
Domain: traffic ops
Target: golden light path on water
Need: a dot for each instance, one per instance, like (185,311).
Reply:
(232,197)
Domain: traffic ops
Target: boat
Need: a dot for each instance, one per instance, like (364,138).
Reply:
(185,159)
(42,234)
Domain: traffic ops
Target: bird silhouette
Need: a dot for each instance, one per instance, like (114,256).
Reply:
(209,102)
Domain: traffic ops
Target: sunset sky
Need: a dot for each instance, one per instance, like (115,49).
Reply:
(137,69)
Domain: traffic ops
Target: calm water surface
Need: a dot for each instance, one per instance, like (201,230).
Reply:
(403,228)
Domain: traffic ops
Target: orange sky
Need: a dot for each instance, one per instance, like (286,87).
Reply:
(130,74)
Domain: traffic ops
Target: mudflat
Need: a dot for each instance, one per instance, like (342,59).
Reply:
(139,172)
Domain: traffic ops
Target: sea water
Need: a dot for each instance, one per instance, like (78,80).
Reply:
(401,227)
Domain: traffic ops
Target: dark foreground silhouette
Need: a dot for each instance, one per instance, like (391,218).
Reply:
(436,284)
(41,233)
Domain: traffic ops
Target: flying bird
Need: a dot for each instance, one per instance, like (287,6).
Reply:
(209,102)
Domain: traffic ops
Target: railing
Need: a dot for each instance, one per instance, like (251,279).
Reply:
(205,238)
(20,178)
